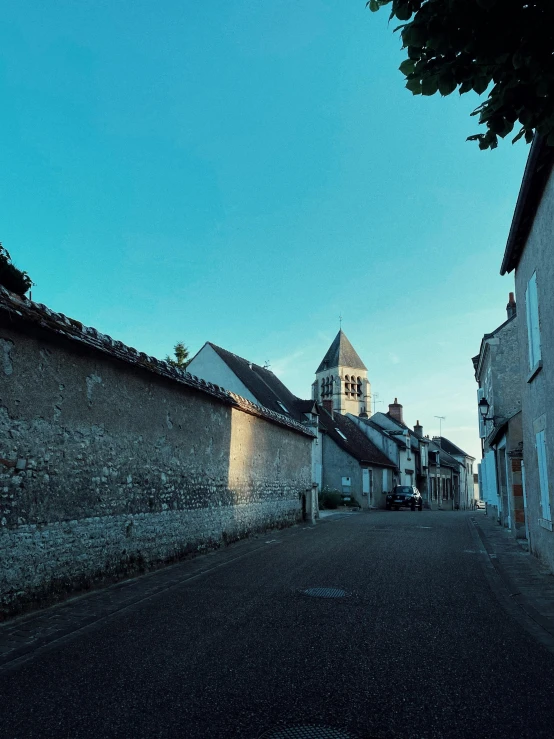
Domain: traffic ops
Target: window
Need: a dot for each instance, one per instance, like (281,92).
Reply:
(543,475)
(533,333)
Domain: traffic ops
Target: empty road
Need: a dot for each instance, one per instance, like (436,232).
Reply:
(416,645)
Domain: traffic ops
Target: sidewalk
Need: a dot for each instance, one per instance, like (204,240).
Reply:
(526,581)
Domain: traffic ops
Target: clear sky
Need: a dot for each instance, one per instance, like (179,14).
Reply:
(243,172)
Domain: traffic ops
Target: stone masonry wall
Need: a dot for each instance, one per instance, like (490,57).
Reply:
(106,467)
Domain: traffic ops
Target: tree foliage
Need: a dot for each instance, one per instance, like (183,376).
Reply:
(181,356)
(505,47)
(10,277)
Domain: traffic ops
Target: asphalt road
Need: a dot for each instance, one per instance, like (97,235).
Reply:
(418,647)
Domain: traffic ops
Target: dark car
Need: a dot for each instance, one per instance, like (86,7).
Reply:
(404,496)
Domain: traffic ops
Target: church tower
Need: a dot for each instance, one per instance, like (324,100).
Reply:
(341,383)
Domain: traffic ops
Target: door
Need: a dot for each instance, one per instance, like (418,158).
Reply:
(366,486)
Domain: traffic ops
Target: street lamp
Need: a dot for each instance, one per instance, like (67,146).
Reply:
(484,407)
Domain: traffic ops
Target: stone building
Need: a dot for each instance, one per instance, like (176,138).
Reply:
(465,491)
(406,447)
(341,383)
(352,463)
(498,375)
(529,255)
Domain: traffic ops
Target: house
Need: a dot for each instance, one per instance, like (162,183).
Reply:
(262,387)
(341,383)
(407,448)
(465,490)
(528,255)
(352,463)
(498,375)
(443,479)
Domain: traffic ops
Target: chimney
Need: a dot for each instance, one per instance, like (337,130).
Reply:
(395,411)
(328,405)
(511,307)
(418,430)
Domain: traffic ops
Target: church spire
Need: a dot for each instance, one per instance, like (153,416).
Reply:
(341,383)
(341,353)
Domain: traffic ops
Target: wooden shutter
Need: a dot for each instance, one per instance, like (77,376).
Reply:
(543,475)
(533,331)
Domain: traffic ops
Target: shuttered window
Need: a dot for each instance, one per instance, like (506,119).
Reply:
(543,475)
(533,332)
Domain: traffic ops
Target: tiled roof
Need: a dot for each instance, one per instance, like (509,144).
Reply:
(414,440)
(14,308)
(356,442)
(341,352)
(450,447)
(446,459)
(266,387)
(396,438)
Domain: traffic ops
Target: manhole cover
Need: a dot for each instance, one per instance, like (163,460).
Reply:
(325,592)
(309,731)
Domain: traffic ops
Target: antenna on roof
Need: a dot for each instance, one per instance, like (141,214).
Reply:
(266,364)
(441,419)
(340,321)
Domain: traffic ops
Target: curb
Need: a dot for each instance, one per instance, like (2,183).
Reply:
(505,588)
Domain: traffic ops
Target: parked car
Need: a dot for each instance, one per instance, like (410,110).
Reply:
(404,496)
(480,504)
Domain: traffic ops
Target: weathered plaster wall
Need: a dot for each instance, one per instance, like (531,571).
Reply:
(106,467)
(538,392)
(338,464)
(209,365)
(506,371)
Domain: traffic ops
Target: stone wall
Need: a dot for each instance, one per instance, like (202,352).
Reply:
(107,466)
(538,388)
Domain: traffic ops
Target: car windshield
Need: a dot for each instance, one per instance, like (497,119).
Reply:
(403,489)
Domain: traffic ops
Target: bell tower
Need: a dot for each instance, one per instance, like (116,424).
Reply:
(341,383)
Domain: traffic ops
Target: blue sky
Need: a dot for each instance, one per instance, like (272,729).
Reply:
(243,172)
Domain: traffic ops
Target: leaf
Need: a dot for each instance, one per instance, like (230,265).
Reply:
(480,84)
(404,12)
(520,134)
(429,85)
(407,66)
(542,88)
(447,83)
(414,86)
(373,5)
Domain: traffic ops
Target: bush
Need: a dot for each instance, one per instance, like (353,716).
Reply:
(329,499)
(10,277)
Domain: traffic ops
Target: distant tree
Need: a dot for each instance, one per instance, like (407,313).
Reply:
(472,44)
(10,277)
(181,355)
